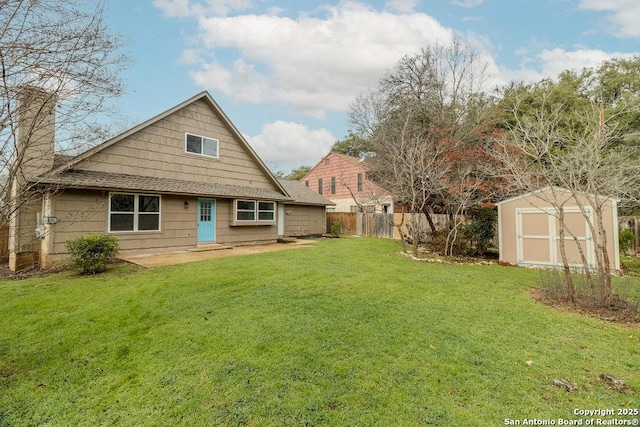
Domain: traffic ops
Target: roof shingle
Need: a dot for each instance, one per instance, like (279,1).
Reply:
(303,195)
(113,181)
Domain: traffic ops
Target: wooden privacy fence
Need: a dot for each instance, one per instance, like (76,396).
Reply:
(379,224)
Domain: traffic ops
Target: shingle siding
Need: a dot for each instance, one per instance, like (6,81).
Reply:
(159,151)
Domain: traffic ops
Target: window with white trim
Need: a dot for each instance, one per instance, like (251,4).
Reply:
(133,212)
(202,145)
(252,211)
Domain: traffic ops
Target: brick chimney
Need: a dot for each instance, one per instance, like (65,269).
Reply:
(36,131)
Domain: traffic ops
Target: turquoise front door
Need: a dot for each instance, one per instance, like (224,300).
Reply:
(206,220)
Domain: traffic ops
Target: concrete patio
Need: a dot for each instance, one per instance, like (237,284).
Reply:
(199,254)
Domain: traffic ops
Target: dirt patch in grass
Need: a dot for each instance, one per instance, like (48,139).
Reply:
(6,273)
(619,311)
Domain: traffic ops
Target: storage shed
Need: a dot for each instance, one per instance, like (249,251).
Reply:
(529,230)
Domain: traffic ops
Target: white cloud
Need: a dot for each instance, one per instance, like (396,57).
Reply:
(240,81)
(174,8)
(551,62)
(623,18)
(185,8)
(189,57)
(557,60)
(405,6)
(468,4)
(315,64)
(287,145)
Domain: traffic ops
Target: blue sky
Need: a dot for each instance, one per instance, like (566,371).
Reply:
(286,71)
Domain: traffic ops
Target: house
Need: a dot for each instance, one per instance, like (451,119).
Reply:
(343,180)
(305,214)
(529,229)
(182,179)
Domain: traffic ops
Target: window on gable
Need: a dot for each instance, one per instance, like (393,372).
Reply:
(319,185)
(201,145)
(359,182)
(134,212)
(333,185)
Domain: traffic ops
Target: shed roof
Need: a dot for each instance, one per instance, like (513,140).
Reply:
(540,191)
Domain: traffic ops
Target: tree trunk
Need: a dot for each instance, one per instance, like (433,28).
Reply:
(401,231)
(415,233)
(571,290)
(604,273)
(426,212)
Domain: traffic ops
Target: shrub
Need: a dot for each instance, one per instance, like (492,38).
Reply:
(481,229)
(92,252)
(625,241)
(335,228)
(473,238)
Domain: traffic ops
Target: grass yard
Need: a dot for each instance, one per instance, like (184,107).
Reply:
(346,332)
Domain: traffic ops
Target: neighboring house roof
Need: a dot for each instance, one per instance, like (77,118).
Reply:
(114,181)
(303,195)
(60,167)
(354,160)
(351,159)
(345,168)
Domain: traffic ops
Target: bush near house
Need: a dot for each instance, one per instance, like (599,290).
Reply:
(92,252)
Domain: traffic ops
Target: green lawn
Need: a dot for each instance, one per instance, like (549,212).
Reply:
(346,332)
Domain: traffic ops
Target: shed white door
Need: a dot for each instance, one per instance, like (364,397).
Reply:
(538,237)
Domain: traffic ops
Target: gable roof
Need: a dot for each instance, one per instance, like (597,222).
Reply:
(350,159)
(204,95)
(303,195)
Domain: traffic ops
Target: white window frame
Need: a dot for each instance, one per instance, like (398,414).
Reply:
(201,153)
(136,213)
(256,212)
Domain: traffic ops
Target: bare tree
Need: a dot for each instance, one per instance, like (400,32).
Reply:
(544,146)
(427,120)
(55,57)
(410,162)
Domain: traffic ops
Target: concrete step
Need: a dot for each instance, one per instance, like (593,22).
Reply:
(287,240)
(203,247)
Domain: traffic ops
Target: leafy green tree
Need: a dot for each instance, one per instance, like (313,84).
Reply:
(353,145)
(614,85)
(298,173)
